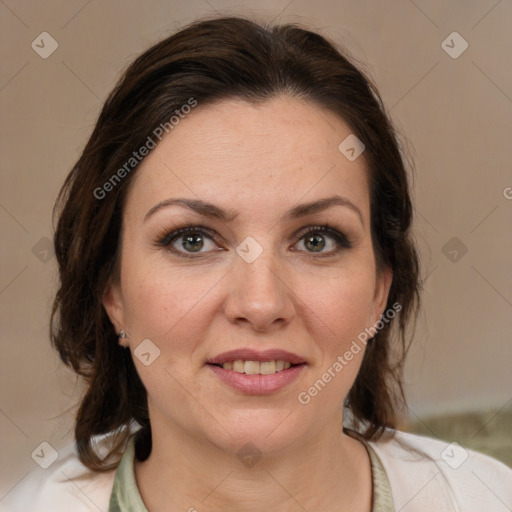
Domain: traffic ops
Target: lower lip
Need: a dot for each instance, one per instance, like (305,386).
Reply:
(258,384)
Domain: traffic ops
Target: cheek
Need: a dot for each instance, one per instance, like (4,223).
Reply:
(337,316)
(166,304)
(342,308)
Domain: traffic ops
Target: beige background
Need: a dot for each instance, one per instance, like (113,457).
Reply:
(455,115)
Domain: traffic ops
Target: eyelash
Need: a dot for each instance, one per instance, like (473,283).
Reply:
(166,239)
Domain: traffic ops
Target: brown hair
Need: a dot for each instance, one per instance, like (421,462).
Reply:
(210,60)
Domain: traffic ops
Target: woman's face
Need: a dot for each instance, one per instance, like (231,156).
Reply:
(252,281)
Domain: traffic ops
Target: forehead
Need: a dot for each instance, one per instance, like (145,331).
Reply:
(253,157)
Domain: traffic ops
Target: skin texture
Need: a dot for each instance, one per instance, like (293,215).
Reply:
(258,161)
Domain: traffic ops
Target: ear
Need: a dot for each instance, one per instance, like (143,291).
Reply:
(113,303)
(383,282)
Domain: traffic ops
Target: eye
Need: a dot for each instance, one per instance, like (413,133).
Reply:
(314,239)
(192,239)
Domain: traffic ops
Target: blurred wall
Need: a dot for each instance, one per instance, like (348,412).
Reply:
(452,105)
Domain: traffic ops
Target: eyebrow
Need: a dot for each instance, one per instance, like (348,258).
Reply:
(210,210)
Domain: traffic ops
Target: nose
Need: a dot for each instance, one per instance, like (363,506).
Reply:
(260,295)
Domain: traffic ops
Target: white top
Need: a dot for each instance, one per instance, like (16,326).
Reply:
(425,475)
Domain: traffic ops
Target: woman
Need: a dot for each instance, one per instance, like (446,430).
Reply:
(236,263)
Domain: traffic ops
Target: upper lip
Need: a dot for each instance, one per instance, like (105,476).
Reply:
(247,354)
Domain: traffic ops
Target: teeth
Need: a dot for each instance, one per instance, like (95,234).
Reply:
(267,367)
(238,366)
(252,367)
(256,367)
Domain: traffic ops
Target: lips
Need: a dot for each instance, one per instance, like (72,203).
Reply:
(255,372)
(256,355)
(257,384)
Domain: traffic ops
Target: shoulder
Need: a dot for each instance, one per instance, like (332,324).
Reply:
(65,485)
(430,474)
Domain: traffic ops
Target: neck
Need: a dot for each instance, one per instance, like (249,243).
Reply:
(186,472)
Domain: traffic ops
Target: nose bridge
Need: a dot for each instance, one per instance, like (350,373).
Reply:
(258,292)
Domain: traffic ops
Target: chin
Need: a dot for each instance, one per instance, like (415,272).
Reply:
(263,430)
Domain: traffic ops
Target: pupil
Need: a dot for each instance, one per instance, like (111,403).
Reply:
(317,246)
(192,237)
